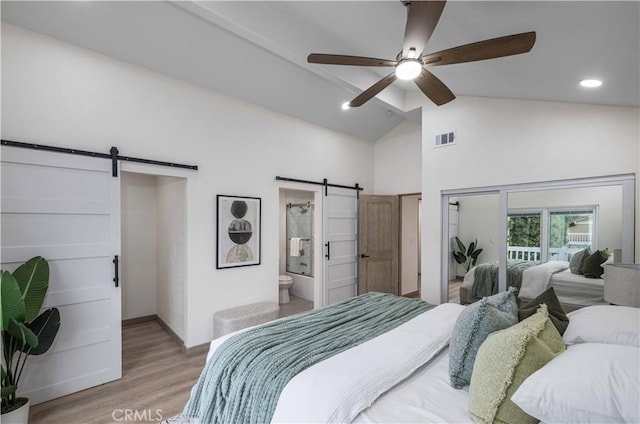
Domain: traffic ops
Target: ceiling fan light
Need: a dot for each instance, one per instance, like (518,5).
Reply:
(346,105)
(590,83)
(408,69)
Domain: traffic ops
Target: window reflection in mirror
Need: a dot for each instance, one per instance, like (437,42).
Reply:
(552,225)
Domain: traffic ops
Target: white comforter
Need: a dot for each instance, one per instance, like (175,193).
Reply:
(535,280)
(337,389)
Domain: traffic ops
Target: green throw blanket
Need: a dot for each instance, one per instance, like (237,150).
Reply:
(242,381)
(485,278)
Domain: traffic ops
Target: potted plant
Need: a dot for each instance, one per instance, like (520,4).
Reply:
(25,331)
(467,257)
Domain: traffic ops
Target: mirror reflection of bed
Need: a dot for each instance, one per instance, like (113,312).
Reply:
(545,229)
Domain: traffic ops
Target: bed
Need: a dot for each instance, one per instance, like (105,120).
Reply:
(402,375)
(573,290)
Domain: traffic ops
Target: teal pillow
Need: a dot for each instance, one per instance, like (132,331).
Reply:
(592,268)
(474,324)
(504,362)
(576,263)
(556,314)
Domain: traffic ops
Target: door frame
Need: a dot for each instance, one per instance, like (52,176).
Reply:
(400,253)
(318,271)
(160,171)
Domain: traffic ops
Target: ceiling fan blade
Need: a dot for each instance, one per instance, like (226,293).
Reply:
(422,18)
(433,88)
(481,50)
(370,92)
(337,59)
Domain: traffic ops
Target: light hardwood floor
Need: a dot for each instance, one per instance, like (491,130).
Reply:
(156,380)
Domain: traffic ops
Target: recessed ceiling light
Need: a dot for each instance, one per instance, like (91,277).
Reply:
(590,83)
(346,106)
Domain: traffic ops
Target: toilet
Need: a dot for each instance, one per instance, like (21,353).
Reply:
(285,282)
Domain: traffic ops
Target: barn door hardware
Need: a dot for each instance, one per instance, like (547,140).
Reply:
(113,155)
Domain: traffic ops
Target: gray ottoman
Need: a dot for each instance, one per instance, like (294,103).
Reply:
(234,319)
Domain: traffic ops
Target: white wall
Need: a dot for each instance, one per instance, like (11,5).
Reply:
(58,94)
(398,160)
(138,238)
(503,141)
(171,252)
(478,219)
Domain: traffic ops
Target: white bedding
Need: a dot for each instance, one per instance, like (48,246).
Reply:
(570,288)
(536,279)
(425,397)
(350,382)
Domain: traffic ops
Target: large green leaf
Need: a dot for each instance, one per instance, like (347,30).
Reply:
(11,303)
(45,327)
(22,334)
(33,279)
(8,390)
(471,248)
(459,257)
(461,247)
(476,253)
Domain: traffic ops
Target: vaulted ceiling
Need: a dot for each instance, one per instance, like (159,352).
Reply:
(256,51)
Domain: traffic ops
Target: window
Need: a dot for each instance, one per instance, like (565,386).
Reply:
(570,231)
(523,236)
(552,234)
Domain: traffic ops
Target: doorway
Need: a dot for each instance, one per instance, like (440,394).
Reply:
(298,244)
(153,260)
(410,230)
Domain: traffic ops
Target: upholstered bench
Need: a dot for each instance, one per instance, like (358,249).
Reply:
(234,319)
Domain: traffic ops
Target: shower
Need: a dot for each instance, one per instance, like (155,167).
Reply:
(299,230)
(304,207)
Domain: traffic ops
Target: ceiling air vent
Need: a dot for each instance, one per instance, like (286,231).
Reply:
(445,139)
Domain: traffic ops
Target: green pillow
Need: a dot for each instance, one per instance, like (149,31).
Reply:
(592,268)
(556,314)
(576,263)
(504,361)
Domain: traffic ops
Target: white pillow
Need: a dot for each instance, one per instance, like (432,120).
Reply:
(589,383)
(604,324)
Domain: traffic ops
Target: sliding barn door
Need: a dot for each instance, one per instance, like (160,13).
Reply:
(66,208)
(379,230)
(340,227)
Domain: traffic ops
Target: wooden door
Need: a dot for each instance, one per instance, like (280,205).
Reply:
(378,244)
(66,208)
(340,235)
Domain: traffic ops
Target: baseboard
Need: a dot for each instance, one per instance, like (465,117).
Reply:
(196,350)
(172,333)
(139,320)
(156,318)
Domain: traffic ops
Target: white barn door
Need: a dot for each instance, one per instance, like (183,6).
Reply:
(340,228)
(66,208)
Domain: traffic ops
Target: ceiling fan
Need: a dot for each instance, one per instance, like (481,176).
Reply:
(412,64)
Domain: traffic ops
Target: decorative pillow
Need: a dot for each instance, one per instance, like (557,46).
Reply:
(504,361)
(589,383)
(604,324)
(592,268)
(576,262)
(556,314)
(474,324)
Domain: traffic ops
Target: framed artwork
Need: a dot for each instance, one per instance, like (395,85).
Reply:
(238,240)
